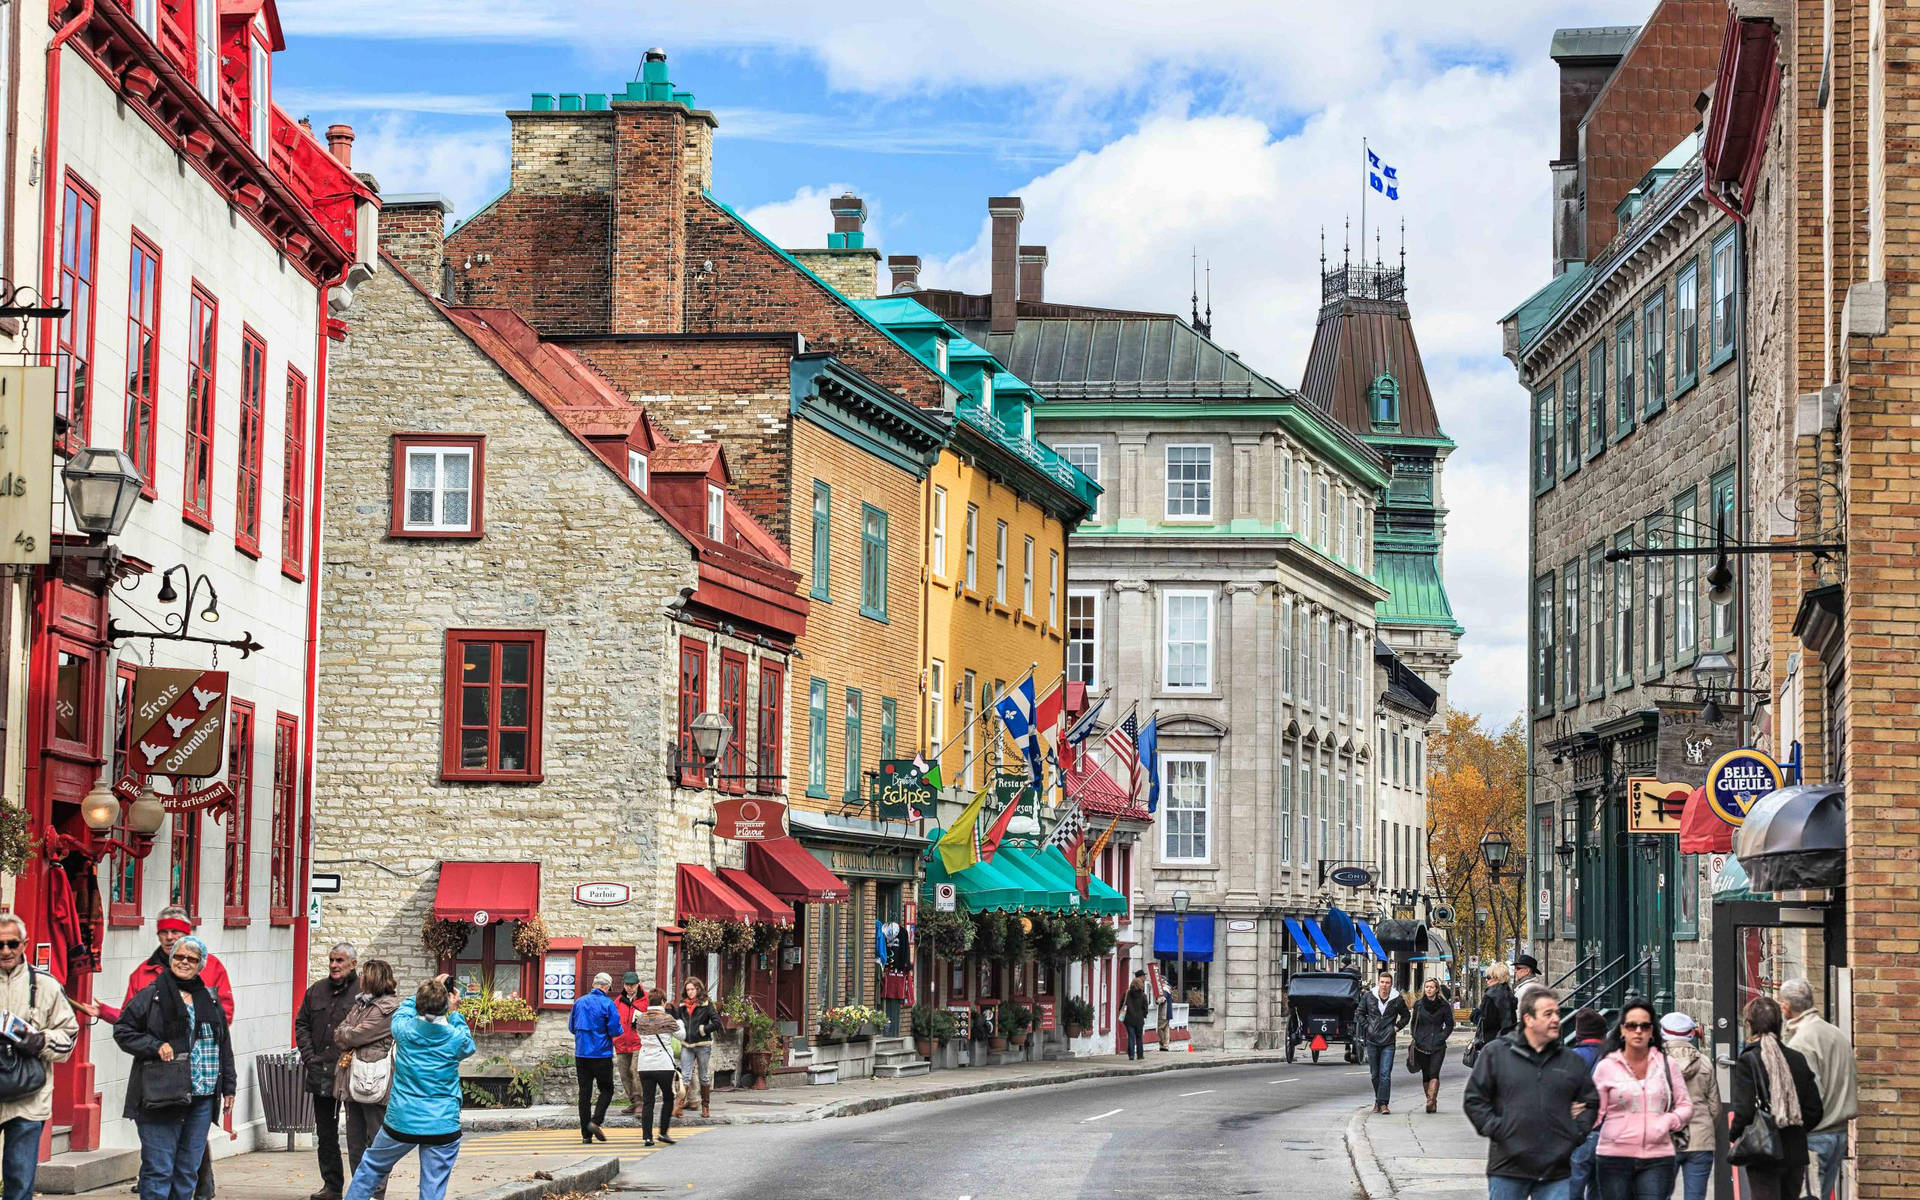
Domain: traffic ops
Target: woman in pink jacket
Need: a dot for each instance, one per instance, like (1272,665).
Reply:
(1643,1103)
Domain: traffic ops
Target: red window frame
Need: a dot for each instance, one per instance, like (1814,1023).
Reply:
(497,967)
(123,869)
(239,849)
(293,491)
(693,701)
(733,706)
(183,867)
(477,484)
(455,724)
(253,419)
(73,333)
(284,851)
(143,357)
(769,771)
(203,346)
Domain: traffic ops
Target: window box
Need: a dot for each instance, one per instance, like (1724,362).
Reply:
(510,1027)
(439,485)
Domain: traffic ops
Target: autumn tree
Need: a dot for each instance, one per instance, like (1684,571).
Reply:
(1476,785)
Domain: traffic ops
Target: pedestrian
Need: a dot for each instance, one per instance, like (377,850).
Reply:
(1643,1103)
(1703,1088)
(1163,1011)
(657,1028)
(1590,1043)
(183,1071)
(1526,976)
(1778,1078)
(699,1020)
(364,1038)
(1830,1056)
(326,1001)
(31,994)
(594,1023)
(1432,1026)
(1534,1102)
(628,1000)
(423,1104)
(1378,1018)
(1133,1016)
(1498,1013)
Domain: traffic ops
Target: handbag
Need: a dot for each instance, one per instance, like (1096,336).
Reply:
(679,1080)
(1413,1060)
(21,1075)
(166,1084)
(1472,1055)
(369,1081)
(1759,1144)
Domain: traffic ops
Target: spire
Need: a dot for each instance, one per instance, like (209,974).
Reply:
(1209,329)
(1193,271)
(1403,247)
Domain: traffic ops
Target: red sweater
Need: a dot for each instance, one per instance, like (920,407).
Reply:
(212,974)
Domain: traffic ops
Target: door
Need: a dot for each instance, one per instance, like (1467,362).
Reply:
(791,978)
(887,905)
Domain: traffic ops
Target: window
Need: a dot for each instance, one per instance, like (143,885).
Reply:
(206,45)
(1187,638)
(1360,518)
(493,699)
(1340,814)
(1322,690)
(1597,398)
(972,578)
(1654,350)
(637,469)
(939,555)
(202,346)
(936,709)
(1543,459)
(1623,377)
(123,871)
(889,716)
(1286,802)
(1026,577)
(769,772)
(1305,793)
(1186,790)
(1721,518)
(1686,579)
(966,726)
(143,356)
(259,88)
(488,962)
(822,539)
(1323,801)
(1386,401)
(1302,502)
(1596,620)
(1286,645)
(183,872)
(817,738)
(240,820)
(1320,522)
(1303,654)
(692,701)
(1655,625)
(1686,326)
(146,14)
(73,337)
(293,479)
(851,747)
(1341,688)
(873,563)
(1624,645)
(1083,638)
(1053,589)
(253,419)
(1189,483)
(716,513)
(733,706)
(1340,524)
(1000,562)
(283,854)
(1570,632)
(1543,645)
(1570,394)
(438,485)
(1721,312)
(1085,456)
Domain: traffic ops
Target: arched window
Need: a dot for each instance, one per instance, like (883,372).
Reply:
(1385,394)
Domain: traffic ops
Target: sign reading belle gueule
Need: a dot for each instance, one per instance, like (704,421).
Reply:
(750,820)
(179,723)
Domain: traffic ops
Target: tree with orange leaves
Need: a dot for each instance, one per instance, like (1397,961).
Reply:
(1476,785)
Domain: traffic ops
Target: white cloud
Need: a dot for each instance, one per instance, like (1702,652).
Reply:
(321,100)
(802,219)
(468,167)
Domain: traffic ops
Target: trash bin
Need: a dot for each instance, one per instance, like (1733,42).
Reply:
(283,1093)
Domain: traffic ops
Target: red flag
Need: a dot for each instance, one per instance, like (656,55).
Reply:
(990,841)
(1048,710)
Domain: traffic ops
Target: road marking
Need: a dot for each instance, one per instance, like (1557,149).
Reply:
(1101,1117)
(1207,1092)
(1288,1079)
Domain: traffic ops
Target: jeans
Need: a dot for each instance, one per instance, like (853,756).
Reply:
(171,1150)
(436,1167)
(326,1141)
(1623,1178)
(1827,1151)
(1135,1041)
(651,1081)
(1696,1174)
(1580,1184)
(363,1125)
(593,1074)
(1508,1187)
(696,1065)
(1380,1067)
(21,1157)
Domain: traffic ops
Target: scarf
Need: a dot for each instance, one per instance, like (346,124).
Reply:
(1431,1007)
(170,992)
(647,1024)
(1783,1099)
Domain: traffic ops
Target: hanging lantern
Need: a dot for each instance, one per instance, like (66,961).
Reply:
(1026,925)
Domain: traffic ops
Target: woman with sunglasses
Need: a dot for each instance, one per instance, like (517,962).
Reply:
(183,1071)
(1643,1103)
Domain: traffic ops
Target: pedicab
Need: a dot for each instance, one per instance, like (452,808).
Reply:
(1320,1011)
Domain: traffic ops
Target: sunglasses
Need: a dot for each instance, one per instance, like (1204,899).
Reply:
(186,958)
(1636,1025)
(11,944)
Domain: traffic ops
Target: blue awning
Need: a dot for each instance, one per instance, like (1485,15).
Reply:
(1301,940)
(1373,943)
(1319,939)
(1338,927)
(1198,936)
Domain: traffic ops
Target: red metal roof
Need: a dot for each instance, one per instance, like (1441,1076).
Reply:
(504,891)
(1099,795)
(792,874)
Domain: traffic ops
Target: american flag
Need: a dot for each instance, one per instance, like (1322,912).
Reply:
(1123,740)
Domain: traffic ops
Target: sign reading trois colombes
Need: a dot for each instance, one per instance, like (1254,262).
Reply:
(26,462)
(179,721)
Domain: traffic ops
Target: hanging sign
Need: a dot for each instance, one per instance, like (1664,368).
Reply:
(1655,807)
(750,820)
(216,796)
(1737,779)
(179,725)
(26,462)
(901,791)
(1353,877)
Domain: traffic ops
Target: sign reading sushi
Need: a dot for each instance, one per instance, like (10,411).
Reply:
(1737,780)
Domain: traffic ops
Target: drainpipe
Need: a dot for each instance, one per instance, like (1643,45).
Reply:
(49,187)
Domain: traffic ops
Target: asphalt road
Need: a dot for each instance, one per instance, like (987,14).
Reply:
(1192,1135)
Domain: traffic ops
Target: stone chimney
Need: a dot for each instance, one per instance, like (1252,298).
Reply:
(340,144)
(413,233)
(1006,212)
(662,160)
(906,273)
(1033,271)
(848,264)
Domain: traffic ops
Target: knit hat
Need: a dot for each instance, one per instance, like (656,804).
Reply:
(1677,1024)
(1588,1024)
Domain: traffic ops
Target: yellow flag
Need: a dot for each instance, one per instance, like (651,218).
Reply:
(960,845)
(1100,843)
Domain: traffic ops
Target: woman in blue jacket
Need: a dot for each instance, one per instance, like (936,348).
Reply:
(423,1103)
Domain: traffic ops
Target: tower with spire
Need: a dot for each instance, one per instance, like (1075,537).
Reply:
(1365,371)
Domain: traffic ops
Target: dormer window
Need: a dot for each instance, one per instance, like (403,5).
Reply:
(206,49)
(716,512)
(986,392)
(637,469)
(940,354)
(1026,421)
(1385,396)
(259,85)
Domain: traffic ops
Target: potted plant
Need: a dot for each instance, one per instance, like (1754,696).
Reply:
(703,936)
(1101,938)
(734,1009)
(488,1012)
(931,1027)
(1015,1021)
(1078,1015)
(763,1042)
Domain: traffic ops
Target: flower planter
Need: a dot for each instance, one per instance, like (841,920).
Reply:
(996,1044)
(760,1066)
(512,1027)
(924,1048)
(1073,1031)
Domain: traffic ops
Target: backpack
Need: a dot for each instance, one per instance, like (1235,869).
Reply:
(369,1081)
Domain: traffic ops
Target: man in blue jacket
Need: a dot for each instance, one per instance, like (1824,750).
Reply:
(594,1023)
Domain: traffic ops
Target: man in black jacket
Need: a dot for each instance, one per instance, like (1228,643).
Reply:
(1378,1020)
(320,1011)
(1534,1102)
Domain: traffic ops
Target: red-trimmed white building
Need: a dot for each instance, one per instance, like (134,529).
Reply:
(206,247)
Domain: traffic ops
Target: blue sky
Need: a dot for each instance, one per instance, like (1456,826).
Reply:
(1136,131)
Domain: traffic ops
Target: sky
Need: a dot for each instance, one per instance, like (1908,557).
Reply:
(1138,133)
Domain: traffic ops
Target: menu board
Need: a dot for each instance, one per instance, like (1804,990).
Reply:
(559,976)
(1044,1014)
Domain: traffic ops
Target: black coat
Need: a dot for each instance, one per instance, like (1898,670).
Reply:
(1747,1069)
(700,1021)
(142,1030)
(1498,1014)
(1374,1027)
(320,1012)
(1432,1024)
(1521,1100)
(1137,1006)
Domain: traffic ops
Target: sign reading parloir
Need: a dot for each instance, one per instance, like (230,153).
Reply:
(602,895)
(26,462)
(179,725)
(750,820)
(1737,779)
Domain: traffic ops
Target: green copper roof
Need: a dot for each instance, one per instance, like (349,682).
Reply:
(1419,595)
(1535,309)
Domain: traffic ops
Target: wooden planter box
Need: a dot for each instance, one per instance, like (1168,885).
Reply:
(510,1027)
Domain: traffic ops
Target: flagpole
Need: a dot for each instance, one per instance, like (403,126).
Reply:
(940,751)
(1365,167)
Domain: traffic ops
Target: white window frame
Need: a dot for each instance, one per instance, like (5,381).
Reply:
(936,707)
(972,579)
(940,531)
(1286,490)
(1167,597)
(967,713)
(1168,807)
(1092,597)
(1202,508)
(259,90)
(1026,578)
(1286,802)
(1053,589)
(716,512)
(440,455)
(940,358)
(1000,562)
(1340,525)
(146,14)
(206,49)
(637,469)
(1286,645)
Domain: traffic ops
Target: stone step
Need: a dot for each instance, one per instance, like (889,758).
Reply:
(901,1070)
(74,1172)
(894,1060)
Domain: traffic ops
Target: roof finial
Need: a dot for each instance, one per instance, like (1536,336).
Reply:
(1209,297)
(1346,244)
(1376,247)
(1323,249)
(1193,272)
(1403,247)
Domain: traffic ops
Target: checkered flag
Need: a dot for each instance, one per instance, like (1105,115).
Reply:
(1072,824)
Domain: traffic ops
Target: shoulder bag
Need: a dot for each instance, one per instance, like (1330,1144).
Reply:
(368,1081)
(167,1084)
(1472,1055)
(22,1075)
(1759,1144)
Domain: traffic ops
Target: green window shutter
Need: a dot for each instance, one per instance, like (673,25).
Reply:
(853,765)
(873,562)
(888,714)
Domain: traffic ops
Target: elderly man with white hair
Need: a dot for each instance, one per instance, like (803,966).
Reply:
(326,1001)
(1830,1055)
(51,1031)
(594,1023)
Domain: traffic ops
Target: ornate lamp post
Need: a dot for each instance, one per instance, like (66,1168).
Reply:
(1494,848)
(1181,899)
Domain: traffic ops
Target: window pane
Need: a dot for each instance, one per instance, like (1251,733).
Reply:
(514,657)
(513,751)
(420,469)
(473,749)
(474,704)
(513,707)
(454,510)
(477,660)
(419,508)
(457,468)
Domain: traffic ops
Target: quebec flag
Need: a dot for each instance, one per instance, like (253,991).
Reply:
(1382,178)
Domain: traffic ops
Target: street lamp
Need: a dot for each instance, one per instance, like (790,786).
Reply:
(1494,848)
(1181,899)
(1713,671)
(101,487)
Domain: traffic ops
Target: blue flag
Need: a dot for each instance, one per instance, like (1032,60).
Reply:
(1016,713)
(1382,178)
(1149,743)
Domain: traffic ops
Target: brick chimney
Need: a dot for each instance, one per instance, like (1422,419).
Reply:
(662,160)
(1006,212)
(847,263)
(413,232)
(340,144)
(849,221)
(906,273)
(1033,270)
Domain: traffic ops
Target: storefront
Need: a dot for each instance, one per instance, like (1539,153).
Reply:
(858,951)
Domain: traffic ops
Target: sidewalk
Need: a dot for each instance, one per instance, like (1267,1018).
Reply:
(1411,1152)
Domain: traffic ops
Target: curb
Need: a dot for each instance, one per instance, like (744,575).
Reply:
(1366,1164)
(588,1173)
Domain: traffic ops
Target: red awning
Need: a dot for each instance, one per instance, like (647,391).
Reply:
(792,874)
(773,910)
(698,893)
(1701,829)
(504,891)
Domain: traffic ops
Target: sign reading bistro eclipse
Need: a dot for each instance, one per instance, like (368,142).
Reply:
(179,726)
(752,819)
